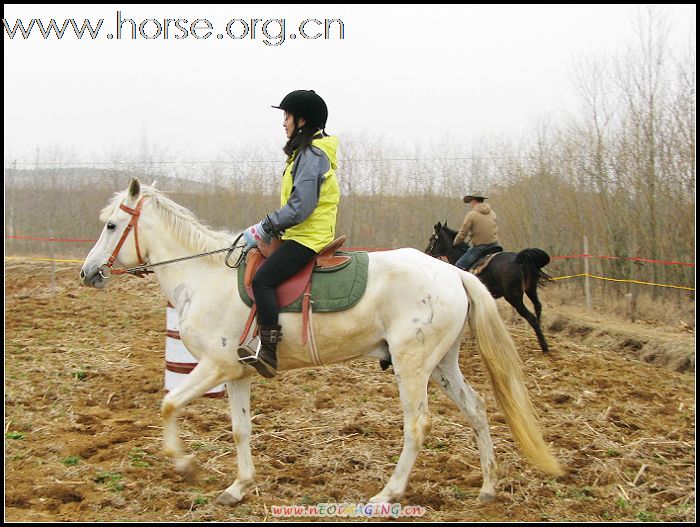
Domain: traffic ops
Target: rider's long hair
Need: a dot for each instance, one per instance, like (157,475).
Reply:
(302,137)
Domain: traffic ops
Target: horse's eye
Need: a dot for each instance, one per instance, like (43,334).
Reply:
(111,226)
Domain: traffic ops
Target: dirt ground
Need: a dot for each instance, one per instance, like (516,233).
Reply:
(84,381)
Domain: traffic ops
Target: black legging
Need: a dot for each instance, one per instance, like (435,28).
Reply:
(289,258)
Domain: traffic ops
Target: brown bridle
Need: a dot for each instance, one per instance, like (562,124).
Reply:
(133,224)
(142,269)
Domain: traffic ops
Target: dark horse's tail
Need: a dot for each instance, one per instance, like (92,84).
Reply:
(533,260)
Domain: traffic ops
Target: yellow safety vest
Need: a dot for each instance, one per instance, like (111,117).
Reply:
(318,230)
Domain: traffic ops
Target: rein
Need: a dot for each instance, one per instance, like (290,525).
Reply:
(144,268)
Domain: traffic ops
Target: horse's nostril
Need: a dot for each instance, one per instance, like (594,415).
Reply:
(82,274)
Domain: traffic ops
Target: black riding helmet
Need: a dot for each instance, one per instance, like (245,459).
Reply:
(306,104)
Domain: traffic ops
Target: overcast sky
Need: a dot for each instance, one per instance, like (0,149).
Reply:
(408,74)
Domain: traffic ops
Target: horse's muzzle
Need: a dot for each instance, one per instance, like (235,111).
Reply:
(97,277)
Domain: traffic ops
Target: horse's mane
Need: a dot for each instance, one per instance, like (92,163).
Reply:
(452,234)
(198,237)
(449,231)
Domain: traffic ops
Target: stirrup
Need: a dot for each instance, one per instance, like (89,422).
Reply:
(251,349)
(251,357)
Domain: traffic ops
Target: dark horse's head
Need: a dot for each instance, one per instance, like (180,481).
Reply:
(440,243)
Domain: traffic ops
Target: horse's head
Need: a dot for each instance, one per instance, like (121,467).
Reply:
(436,243)
(115,246)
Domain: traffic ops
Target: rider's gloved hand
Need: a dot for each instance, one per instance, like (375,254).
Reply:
(255,233)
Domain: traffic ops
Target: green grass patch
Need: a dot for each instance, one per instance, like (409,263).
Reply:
(459,493)
(71,461)
(112,480)
(644,516)
(136,458)
(201,500)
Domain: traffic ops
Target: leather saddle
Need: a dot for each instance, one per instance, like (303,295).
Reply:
(292,288)
(296,286)
(483,262)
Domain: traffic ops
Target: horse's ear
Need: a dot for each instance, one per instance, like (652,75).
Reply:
(154,183)
(445,224)
(134,188)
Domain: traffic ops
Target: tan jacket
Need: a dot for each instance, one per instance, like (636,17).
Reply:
(480,224)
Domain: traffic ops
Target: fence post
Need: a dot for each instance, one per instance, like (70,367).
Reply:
(53,265)
(586,279)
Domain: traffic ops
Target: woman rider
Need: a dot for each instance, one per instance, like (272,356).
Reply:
(305,222)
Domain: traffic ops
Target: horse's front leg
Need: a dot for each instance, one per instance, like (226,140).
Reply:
(205,376)
(239,399)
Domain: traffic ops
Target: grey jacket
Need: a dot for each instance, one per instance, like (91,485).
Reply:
(308,172)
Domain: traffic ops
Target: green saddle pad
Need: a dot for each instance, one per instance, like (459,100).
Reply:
(331,290)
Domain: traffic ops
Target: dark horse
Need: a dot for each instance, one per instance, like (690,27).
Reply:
(507,275)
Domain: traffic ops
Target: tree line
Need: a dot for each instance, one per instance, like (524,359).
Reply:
(620,169)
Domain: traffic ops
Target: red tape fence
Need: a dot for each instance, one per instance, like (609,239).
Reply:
(36,238)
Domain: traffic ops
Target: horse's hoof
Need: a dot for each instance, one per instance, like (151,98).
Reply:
(486,497)
(381,498)
(226,499)
(187,467)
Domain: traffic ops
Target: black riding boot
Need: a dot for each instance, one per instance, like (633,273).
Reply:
(261,352)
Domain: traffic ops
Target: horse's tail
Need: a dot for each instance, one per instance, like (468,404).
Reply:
(533,260)
(498,353)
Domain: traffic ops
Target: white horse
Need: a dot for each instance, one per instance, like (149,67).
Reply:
(415,311)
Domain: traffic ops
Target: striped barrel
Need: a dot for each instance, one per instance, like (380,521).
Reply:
(178,361)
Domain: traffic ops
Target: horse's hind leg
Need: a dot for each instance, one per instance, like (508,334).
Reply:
(519,306)
(448,375)
(531,293)
(239,399)
(205,376)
